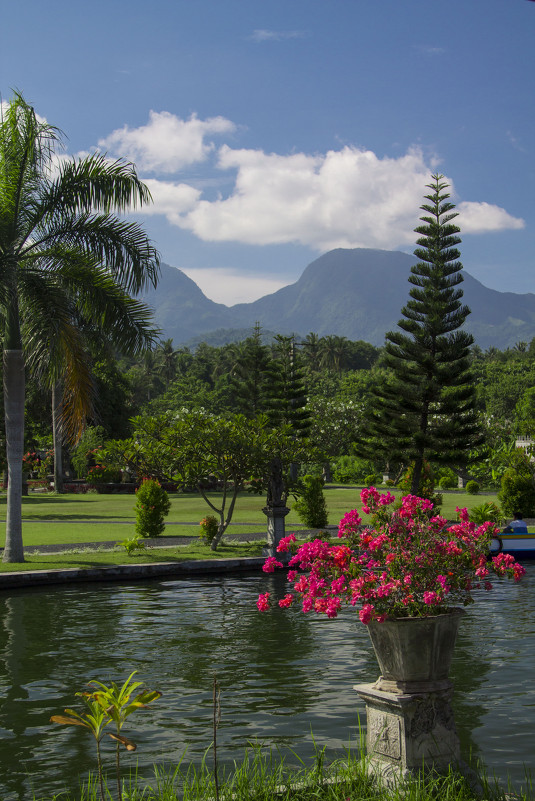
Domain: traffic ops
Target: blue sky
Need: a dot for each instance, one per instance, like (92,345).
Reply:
(271,131)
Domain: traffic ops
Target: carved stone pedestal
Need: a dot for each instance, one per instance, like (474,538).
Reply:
(409,731)
(275,528)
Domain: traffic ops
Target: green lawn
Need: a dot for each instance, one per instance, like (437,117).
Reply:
(98,518)
(87,559)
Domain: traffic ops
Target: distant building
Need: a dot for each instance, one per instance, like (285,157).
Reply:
(525,442)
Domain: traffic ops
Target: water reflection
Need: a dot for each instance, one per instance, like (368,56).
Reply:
(281,674)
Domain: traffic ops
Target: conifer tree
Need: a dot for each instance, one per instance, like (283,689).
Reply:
(287,395)
(251,374)
(427,411)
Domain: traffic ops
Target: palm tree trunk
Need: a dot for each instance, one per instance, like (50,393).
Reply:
(57,429)
(14,417)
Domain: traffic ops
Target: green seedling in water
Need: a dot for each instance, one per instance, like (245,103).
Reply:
(110,705)
(118,705)
(94,720)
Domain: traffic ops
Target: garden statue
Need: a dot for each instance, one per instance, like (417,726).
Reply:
(276,488)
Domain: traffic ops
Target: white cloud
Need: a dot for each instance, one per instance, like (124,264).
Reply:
(480,218)
(343,198)
(167,143)
(230,286)
(265,35)
(170,199)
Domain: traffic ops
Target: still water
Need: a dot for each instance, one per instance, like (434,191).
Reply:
(283,675)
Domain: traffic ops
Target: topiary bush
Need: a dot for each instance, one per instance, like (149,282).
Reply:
(310,505)
(447,482)
(472,487)
(152,505)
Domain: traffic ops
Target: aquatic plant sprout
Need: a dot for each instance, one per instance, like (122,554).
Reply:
(407,563)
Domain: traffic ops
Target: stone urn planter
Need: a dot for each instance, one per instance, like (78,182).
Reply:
(415,653)
(410,721)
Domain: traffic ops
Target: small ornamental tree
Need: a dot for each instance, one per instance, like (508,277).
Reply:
(152,505)
(428,410)
(196,448)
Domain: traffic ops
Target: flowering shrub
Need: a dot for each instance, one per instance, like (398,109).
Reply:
(408,563)
(102,474)
(208,530)
(31,461)
(35,462)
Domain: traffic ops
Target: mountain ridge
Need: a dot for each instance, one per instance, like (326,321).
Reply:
(357,293)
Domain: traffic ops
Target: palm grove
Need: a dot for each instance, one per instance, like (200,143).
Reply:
(69,270)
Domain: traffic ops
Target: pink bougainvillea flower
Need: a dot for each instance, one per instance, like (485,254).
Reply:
(263,602)
(287,601)
(284,544)
(406,562)
(366,613)
(270,564)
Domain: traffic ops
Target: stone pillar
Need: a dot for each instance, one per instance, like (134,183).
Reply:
(408,731)
(275,527)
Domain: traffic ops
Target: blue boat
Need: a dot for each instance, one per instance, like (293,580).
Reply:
(519,545)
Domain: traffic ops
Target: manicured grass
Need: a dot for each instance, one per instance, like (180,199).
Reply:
(64,532)
(73,519)
(86,559)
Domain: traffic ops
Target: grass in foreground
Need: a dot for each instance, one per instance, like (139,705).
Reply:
(81,559)
(264,776)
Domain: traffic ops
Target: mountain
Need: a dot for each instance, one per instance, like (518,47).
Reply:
(181,309)
(354,293)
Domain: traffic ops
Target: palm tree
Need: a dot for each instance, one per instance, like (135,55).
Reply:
(167,361)
(334,351)
(64,256)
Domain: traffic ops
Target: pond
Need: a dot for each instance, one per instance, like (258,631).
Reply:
(285,678)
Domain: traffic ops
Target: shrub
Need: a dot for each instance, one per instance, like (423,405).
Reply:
(517,493)
(350,469)
(152,505)
(103,474)
(310,506)
(472,488)
(486,512)
(446,478)
(372,479)
(82,456)
(208,530)
(427,481)
(134,544)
